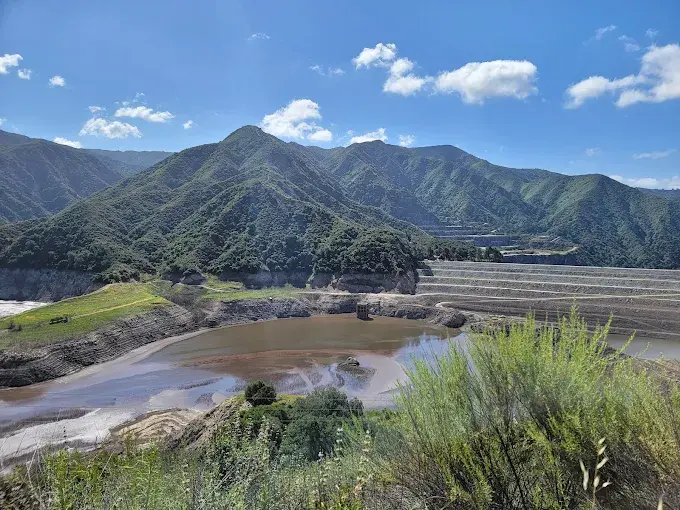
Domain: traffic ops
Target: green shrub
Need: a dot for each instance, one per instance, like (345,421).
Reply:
(260,393)
(315,420)
(507,423)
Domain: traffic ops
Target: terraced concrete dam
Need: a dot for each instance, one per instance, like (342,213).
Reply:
(645,301)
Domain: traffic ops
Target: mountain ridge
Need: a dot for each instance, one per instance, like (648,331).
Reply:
(199,208)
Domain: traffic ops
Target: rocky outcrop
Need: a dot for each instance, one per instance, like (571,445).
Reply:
(20,368)
(249,310)
(269,278)
(44,284)
(370,283)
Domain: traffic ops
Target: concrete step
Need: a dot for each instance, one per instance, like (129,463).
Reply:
(558,269)
(486,278)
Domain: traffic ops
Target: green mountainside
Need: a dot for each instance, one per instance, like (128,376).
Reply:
(39,178)
(129,162)
(236,206)
(254,202)
(615,224)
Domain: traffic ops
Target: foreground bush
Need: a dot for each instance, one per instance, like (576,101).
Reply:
(508,423)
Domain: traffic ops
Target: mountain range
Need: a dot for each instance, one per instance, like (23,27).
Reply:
(253,201)
(39,178)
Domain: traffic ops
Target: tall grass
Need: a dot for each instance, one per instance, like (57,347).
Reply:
(507,424)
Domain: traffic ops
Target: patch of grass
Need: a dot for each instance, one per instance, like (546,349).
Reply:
(229,291)
(85,313)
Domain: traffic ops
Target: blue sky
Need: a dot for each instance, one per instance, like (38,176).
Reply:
(494,78)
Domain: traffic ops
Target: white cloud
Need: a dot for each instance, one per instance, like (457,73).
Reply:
(406,140)
(145,113)
(2,121)
(24,74)
(322,135)
(70,143)
(331,71)
(188,124)
(629,43)
(649,182)
(660,70)
(398,82)
(296,120)
(95,109)
(102,127)
(661,67)
(259,35)
(477,81)
(651,33)
(595,86)
(317,68)
(7,61)
(378,134)
(57,81)
(593,151)
(654,155)
(381,55)
(600,32)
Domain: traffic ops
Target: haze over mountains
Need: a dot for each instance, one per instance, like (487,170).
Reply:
(254,201)
(39,177)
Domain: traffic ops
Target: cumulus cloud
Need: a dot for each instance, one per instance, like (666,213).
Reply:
(7,61)
(296,120)
(145,113)
(381,56)
(477,81)
(2,121)
(596,86)
(116,129)
(660,72)
(378,134)
(629,43)
(24,74)
(600,32)
(406,140)
(70,143)
(649,182)
(651,33)
(322,135)
(654,155)
(594,151)
(259,35)
(188,124)
(402,81)
(57,81)
(95,109)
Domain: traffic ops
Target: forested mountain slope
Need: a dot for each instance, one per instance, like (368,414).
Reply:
(614,223)
(129,162)
(39,177)
(246,203)
(253,201)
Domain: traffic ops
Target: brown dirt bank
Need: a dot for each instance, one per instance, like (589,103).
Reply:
(21,368)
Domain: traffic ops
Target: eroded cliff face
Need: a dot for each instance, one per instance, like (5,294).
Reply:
(20,368)
(368,283)
(44,284)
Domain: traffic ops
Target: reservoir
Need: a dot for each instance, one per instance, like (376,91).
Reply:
(199,370)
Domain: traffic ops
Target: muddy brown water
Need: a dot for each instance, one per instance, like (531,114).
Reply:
(200,370)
